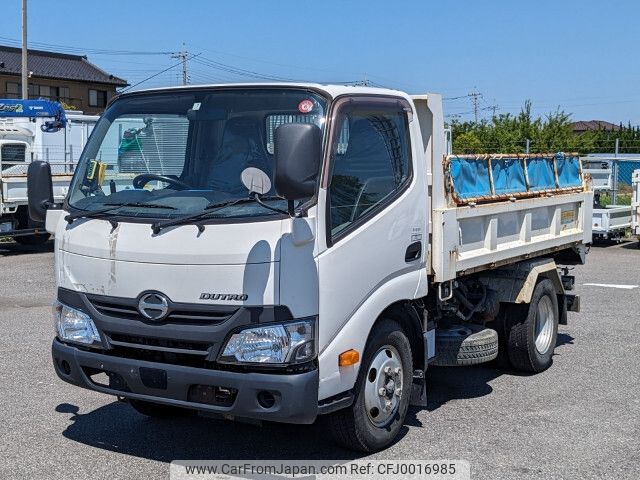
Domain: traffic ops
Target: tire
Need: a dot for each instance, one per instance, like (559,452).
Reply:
(532,337)
(462,345)
(360,427)
(502,325)
(33,240)
(158,410)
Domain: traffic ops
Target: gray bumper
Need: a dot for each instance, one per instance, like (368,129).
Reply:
(296,394)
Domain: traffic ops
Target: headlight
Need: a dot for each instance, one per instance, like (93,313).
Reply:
(292,342)
(73,325)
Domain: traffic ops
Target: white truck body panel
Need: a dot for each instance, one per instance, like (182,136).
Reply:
(611,220)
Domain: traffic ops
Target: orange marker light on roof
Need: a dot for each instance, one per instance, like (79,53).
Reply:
(350,357)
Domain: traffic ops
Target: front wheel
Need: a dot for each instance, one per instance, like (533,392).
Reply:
(382,393)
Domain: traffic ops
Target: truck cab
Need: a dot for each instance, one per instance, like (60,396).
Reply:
(276,252)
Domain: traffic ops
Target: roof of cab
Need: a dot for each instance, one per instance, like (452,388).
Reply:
(333,90)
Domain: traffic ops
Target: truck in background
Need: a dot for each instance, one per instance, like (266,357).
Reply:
(288,251)
(610,222)
(32,130)
(635,205)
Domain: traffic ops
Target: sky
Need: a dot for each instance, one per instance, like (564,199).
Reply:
(574,55)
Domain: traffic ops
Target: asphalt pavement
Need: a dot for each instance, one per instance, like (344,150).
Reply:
(578,420)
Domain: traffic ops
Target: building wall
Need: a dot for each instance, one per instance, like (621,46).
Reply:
(78,92)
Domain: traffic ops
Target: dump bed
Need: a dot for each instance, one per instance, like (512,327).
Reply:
(492,210)
(506,208)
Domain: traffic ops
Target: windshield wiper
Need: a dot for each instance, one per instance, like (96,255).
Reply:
(213,207)
(113,206)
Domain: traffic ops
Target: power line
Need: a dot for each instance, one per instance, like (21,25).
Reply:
(158,73)
(208,62)
(80,50)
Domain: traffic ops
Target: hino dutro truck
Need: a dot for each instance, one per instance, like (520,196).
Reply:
(294,252)
(36,130)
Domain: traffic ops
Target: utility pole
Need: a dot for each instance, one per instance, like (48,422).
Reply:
(494,109)
(25,70)
(183,55)
(475,97)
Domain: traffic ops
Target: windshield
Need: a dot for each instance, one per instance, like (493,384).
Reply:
(187,149)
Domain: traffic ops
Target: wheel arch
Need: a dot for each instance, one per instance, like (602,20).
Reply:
(393,298)
(409,319)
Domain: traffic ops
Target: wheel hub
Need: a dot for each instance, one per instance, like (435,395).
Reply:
(383,387)
(544,325)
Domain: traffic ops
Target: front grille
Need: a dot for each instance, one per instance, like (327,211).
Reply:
(160,344)
(160,350)
(181,313)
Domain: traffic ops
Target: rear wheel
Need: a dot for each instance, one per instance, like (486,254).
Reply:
(382,393)
(158,410)
(532,338)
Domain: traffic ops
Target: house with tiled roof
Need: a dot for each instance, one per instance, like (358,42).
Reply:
(590,125)
(71,79)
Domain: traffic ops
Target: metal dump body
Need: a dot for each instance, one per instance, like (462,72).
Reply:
(517,218)
(501,209)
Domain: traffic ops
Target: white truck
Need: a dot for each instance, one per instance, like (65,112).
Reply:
(36,130)
(609,222)
(635,205)
(288,251)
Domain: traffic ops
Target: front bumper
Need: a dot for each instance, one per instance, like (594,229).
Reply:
(296,395)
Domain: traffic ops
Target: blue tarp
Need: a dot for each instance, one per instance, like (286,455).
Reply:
(568,171)
(471,179)
(508,175)
(540,173)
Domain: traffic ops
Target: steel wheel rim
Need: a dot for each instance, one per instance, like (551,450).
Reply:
(383,386)
(544,325)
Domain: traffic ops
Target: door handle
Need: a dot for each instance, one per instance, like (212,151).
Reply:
(414,251)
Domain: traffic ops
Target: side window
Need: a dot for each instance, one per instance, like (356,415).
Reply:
(371,163)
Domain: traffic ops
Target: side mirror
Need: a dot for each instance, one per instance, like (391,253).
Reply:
(298,154)
(39,190)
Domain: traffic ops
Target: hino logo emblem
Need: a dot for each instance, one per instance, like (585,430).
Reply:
(224,296)
(153,306)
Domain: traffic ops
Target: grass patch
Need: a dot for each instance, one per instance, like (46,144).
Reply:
(623,199)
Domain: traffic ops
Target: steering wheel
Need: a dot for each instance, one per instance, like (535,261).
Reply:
(141,180)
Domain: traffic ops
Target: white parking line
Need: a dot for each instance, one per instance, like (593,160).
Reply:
(612,285)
